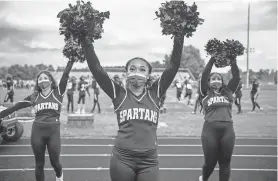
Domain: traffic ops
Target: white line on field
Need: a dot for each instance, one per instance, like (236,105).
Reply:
(164,145)
(26,121)
(176,138)
(161,138)
(160,155)
(163,169)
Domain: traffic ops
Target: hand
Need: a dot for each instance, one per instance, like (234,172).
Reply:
(71,60)
(232,61)
(179,39)
(213,55)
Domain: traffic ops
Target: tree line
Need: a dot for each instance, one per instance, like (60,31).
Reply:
(191,59)
(24,72)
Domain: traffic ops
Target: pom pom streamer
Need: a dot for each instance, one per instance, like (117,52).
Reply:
(73,51)
(78,22)
(177,18)
(224,52)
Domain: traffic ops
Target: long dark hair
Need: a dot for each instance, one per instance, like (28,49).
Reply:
(37,88)
(224,88)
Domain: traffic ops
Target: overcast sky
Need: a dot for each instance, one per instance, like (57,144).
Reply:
(29,31)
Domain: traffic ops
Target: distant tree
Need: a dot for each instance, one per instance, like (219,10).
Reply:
(3,72)
(191,59)
(158,64)
(41,67)
(51,68)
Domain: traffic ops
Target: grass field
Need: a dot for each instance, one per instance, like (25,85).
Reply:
(178,121)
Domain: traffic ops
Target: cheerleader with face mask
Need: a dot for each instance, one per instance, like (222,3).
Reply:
(218,136)
(134,156)
(47,101)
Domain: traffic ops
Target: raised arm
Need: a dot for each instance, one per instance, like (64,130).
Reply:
(234,82)
(102,78)
(204,79)
(64,79)
(20,105)
(172,68)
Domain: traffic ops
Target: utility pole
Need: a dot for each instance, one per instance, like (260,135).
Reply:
(248,28)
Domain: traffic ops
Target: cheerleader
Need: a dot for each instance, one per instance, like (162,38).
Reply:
(218,136)
(95,87)
(47,102)
(135,156)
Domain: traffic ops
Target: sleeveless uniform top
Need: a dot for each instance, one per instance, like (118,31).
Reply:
(48,108)
(218,107)
(137,118)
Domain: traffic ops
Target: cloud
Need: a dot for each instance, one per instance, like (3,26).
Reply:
(224,6)
(158,52)
(29,31)
(9,31)
(3,5)
(263,16)
(18,39)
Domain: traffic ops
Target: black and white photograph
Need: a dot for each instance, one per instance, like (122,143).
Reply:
(138,90)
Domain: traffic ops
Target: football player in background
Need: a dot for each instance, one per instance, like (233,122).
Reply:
(82,88)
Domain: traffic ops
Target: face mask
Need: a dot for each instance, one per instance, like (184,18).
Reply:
(43,84)
(136,79)
(216,84)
